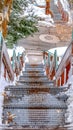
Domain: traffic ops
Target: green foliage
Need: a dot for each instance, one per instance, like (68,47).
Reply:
(19,25)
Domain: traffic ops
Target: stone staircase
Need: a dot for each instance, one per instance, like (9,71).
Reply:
(57,15)
(33,102)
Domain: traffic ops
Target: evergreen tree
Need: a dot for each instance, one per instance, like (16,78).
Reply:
(19,24)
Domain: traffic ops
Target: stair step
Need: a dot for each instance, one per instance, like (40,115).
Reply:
(34,69)
(30,81)
(14,106)
(34,89)
(33,74)
(22,78)
(49,85)
(28,89)
(34,65)
(35,83)
(20,93)
(25,88)
(27,127)
(38,101)
(36,117)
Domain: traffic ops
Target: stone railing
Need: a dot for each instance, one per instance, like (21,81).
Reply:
(65,66)
(5,64)
(9,68)
(63,8)
(17,62)
(51,63)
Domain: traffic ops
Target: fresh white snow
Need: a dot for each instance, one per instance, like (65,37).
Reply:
(58,49)
(40,13)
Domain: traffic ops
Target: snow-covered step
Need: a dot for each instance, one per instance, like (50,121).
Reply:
(32,89)
(27,86)
(34,71)
(40,117)
(22,86)
(33,74)
(38,101)
(34,68)
(22,78)
(34,65)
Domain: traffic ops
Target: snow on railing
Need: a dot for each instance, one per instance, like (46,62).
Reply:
(64,9)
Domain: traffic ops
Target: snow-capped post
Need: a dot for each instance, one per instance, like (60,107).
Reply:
(55,60)
(44,57)
(19,62)
(49,59)
(15,63)
(13,59)
(65,76)
(22,59)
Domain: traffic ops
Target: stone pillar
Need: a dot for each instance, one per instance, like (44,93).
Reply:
(60,81)
(49,59)
(56,83)
(72,66)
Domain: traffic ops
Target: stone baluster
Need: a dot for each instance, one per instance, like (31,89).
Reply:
(55,60)
(60,81)
(49,59)
(65,75)
(72,66)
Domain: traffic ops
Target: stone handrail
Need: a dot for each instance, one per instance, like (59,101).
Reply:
(64,58)
(4,56)
(52,66)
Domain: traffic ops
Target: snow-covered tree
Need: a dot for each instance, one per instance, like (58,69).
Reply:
(19,24)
